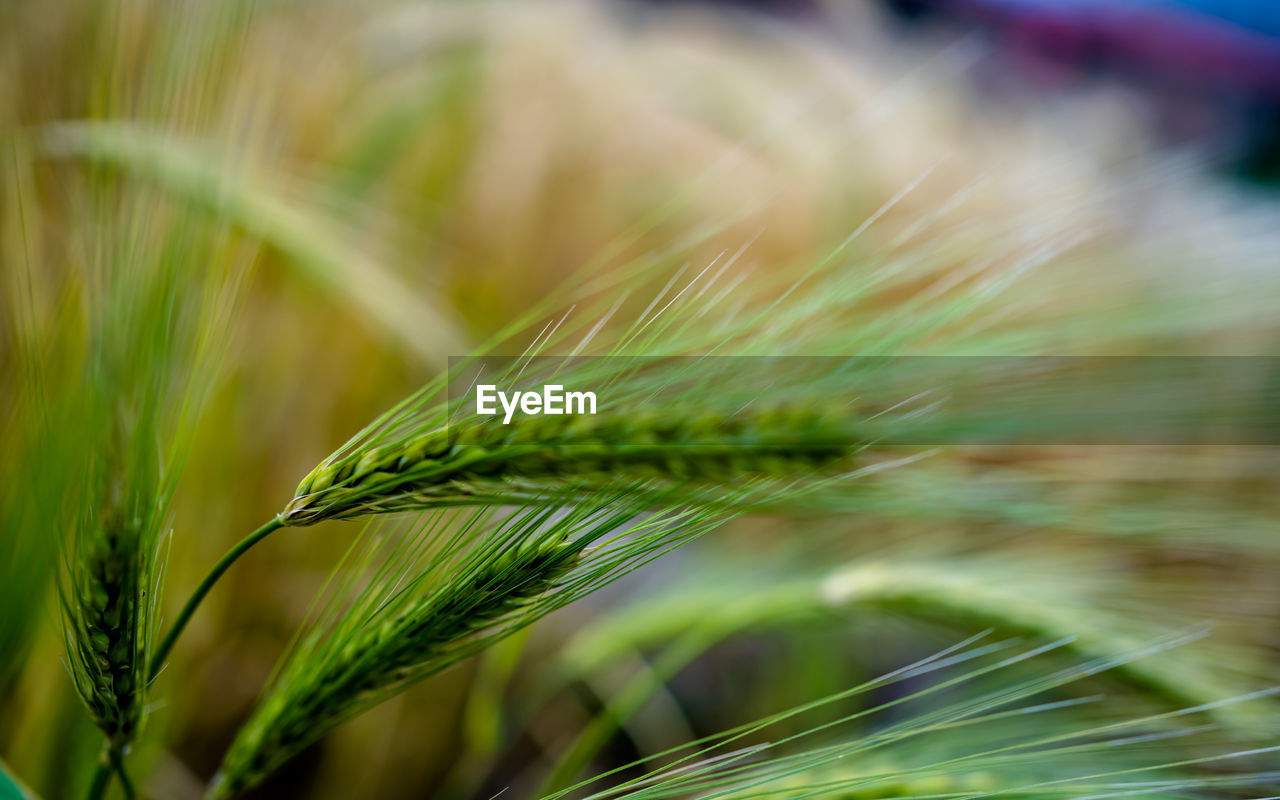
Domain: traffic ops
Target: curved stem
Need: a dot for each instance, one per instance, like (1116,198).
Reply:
(193,602)
(101,776)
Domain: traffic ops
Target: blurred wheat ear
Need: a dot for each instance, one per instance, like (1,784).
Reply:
(1006,735)
(254,201)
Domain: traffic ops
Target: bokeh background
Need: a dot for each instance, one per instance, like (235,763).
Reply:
(396,181)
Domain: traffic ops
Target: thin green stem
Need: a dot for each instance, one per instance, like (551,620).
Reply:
(101,776)
(193,602)
(117,765)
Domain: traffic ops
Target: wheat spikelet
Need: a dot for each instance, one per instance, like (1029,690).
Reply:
(452,463)
(409,644)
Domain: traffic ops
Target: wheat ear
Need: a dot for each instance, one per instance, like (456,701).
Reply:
(107,616)
(492,464)
(391,652)
(108,599)
(448,465)
(551,459)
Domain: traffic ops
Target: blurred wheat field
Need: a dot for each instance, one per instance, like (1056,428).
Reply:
(341,196)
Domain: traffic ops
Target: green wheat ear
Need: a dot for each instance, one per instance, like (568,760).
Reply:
(474,461)
(413,603)
(109,622)
(388,652)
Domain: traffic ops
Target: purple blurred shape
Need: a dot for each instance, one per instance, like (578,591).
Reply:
(1183,43)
